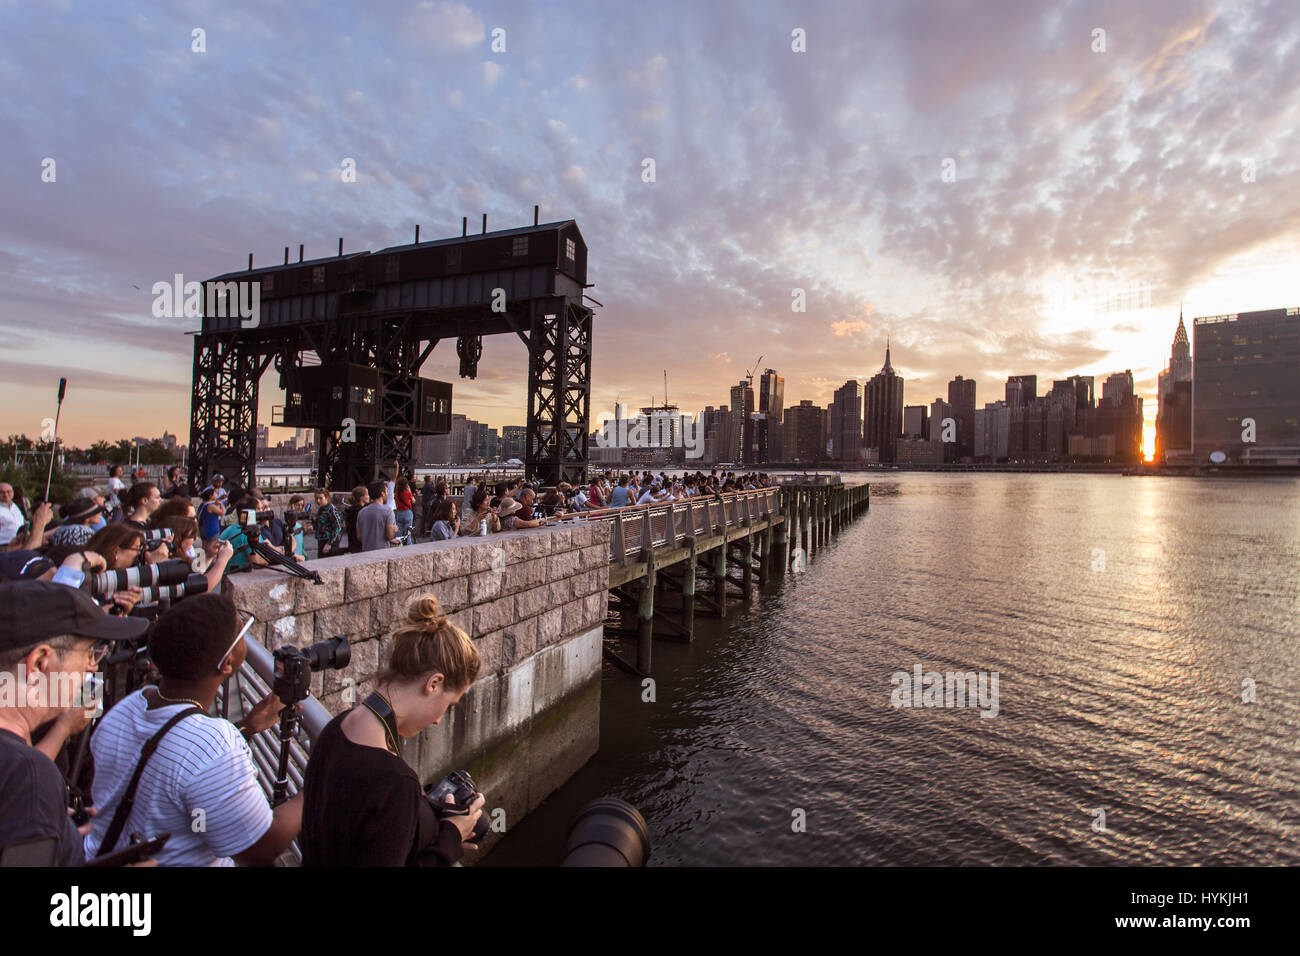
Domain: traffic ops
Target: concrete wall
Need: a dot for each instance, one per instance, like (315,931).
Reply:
(534,603)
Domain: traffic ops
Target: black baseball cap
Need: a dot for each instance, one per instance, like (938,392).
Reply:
(36,611)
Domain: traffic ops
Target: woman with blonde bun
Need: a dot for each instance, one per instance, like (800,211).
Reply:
(363,805)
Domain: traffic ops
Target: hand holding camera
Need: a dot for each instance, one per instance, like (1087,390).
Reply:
(455,798)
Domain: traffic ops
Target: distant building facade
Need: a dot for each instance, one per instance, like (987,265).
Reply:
(961,396)
(771,411)
(846,422)
(1246,384)
(805,432)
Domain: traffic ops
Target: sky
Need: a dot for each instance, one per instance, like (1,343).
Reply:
(996,188)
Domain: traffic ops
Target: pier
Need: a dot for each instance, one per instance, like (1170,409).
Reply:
(668,561)
(536,604)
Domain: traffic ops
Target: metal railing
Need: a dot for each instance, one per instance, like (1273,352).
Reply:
(668,524)
(244,689)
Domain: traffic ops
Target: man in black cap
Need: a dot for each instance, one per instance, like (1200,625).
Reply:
(51,638)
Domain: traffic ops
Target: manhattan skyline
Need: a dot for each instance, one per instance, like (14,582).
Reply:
(1093,191)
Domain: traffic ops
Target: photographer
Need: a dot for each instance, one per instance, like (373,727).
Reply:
(58,633)
(140,503)
(270,530)
(202,766)
(185,535)
(363,805)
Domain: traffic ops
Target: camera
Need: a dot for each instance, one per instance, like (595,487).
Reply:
(194,584)
(461,787)
(294,666)
(251,517)
(163,574)
(153,537)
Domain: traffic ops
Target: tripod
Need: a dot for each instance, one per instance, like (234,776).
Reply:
(274,559)
(288,730)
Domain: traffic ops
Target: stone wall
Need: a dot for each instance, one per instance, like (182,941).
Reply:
(534,603)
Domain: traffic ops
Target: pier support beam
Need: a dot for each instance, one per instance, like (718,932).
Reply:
(645,614)
(747,556)
(720,578)
(688,593)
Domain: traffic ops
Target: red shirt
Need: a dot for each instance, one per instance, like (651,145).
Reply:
(405,500)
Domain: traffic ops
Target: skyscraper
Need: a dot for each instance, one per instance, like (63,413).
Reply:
(1174,400)
(804,426)
(771,406)
(916,421)
(1021,389)
(1246,366)
(883,420)
(846,422)
(742,423)
(961,396)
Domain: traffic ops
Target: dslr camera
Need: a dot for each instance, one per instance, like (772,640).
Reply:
(463,792)
(294,666)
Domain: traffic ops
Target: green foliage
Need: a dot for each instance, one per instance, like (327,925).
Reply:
(24,462)
(29,476)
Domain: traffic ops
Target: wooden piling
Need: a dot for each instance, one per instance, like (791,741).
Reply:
(747,555)
(720,576)
(688,593)
(645,615)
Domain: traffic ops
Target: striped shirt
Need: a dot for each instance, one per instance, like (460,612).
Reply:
(201,778)
(71,534)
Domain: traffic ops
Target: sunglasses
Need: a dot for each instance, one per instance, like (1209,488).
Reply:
(248,622)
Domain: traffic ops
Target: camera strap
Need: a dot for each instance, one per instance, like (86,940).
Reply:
(125,806)
(378,705)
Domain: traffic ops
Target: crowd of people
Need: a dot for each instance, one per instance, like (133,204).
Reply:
(158,755)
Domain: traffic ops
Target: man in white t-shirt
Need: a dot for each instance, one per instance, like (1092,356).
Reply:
(11,516)
(200,785)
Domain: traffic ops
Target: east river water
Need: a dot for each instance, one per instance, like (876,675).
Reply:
(1125,618)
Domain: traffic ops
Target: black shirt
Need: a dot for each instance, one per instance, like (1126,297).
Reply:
(33,802)
(363,806)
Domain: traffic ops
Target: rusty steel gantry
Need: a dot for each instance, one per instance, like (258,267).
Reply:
(349,333)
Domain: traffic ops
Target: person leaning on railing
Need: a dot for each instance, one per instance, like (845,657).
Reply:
(362,804)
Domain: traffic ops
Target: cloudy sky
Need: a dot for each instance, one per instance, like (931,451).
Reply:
(997,187)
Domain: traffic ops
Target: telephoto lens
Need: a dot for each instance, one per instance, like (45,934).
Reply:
(163,574)
(607,832)
(194,584)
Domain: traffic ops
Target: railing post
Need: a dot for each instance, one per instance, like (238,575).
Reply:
(618,543)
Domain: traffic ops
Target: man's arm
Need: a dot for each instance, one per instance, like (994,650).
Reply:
(70,721)
(286,821)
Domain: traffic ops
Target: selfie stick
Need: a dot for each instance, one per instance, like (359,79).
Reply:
(54,445)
